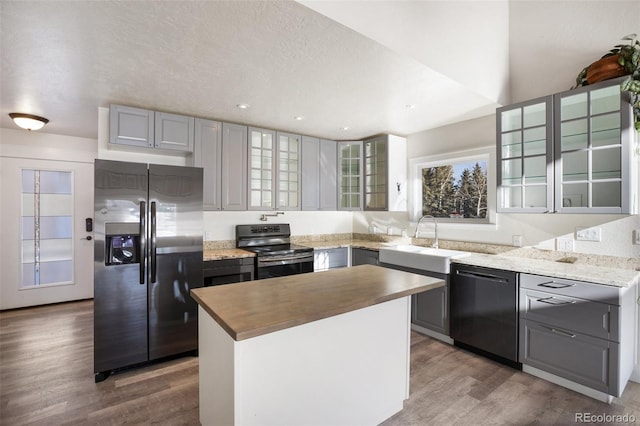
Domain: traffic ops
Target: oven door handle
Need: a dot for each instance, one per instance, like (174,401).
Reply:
(285,260)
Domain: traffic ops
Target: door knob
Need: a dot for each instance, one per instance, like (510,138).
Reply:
(88,238)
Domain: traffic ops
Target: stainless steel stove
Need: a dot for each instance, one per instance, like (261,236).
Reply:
(275,255)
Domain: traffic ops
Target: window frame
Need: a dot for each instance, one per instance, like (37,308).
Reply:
(416,165)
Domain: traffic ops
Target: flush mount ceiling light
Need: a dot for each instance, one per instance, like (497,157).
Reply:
(28,121)
(243,106)
(299,117)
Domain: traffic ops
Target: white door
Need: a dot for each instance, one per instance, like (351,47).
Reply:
(45,256)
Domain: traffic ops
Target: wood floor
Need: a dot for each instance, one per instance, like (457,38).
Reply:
(46,378)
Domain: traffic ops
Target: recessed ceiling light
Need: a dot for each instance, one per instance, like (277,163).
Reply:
(345,128)
(243,106)
(410,106)
(298,117)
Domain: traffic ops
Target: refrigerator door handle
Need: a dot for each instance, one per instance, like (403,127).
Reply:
(153,242)
(143,238)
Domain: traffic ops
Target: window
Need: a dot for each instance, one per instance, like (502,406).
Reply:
(47,209)
(455,191)
(455,188)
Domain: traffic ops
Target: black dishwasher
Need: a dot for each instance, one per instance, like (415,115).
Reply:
(484,312)
(226,271)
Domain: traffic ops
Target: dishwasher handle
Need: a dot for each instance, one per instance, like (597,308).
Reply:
(482,275)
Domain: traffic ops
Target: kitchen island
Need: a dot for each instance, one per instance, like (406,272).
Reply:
(319,348)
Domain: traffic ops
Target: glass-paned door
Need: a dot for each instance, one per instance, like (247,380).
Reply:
(590,150)
(47,227)
(288,177)
(525,156)
(349,175)
(375,174)
(261,169)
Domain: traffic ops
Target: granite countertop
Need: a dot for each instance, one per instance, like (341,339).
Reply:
(370,245)
(599,269)
(226,253)
(558,269)
(253,308)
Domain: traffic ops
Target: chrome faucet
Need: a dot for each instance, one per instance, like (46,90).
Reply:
(435,222)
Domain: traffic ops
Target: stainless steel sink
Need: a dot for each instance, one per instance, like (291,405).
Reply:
(423,258)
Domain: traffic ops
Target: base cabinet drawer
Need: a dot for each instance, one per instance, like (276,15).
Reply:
(570,313)
(583,359)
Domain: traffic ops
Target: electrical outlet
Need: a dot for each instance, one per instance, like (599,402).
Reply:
(207,236)
(517,240)
(564,244)
(588,234)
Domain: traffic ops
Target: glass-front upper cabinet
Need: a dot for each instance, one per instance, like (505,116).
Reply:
(288,171)
(593,148)
(375,173)
(525,156)
(349,175)
(261,169)
(274,172)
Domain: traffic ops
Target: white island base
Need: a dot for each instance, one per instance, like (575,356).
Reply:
(348,369)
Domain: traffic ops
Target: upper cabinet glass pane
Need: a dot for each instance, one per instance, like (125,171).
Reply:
(574,135)
(511,120)
(605,100)
(575,166)
(573,106)
(535,196)
(605,130)
(511,144)
(511,172)
(535,141)
(534,115)
(535,169)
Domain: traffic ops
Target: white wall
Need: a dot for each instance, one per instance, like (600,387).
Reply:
(221,225)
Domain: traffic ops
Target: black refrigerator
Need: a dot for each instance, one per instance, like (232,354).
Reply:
(147,256)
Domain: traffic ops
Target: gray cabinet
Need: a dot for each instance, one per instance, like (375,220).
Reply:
(150,129)
(328,186)
(262,173)
(173,132)
(571,152)
(234,167)
(131,126)
(318,174)
(525,156)
(274,172)
(594,140)
(430,309)
(310,173)
(350,175)
(385,173)
(325,259)
(288,194)
(208,155)
(574,330)
(362,256)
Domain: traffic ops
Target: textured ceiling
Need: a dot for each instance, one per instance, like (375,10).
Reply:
(64,59)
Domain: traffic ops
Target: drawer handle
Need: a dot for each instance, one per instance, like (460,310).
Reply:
(553,284)
(562,333)
(553,301)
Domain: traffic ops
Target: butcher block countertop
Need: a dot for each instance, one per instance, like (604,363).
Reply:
(253,308)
